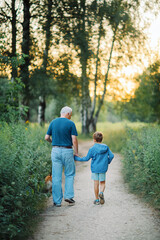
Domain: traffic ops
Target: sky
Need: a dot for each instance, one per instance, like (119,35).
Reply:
(154,32)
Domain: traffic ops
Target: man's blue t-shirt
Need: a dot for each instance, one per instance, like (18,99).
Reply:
(61,130)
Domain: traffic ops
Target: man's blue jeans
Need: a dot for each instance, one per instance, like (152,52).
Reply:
(62,157)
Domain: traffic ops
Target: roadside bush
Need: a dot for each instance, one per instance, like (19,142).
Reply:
(115,134)
(141,163)
(24,163)
(10,97)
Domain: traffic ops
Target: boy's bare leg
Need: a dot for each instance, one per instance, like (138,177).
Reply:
(102,186)
(101,195)
(96,188)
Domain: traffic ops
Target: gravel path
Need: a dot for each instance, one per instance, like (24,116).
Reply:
(123,216)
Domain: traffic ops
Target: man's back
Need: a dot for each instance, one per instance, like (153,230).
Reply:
(61,130)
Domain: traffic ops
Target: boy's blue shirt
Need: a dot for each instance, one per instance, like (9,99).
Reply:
(61,130)
(101,156)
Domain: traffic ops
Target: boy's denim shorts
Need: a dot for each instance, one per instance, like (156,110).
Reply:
(98,176)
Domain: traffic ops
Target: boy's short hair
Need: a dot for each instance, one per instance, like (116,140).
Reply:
(98,136)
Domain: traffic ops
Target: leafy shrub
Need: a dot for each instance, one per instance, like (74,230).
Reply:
(10,97)
(24,163)
(141,163)
(115,133)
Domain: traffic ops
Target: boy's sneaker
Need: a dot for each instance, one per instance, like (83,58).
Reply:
(96,202)
(101,196)
(69,200)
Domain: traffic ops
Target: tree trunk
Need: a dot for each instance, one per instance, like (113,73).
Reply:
(48,34)
(14,31)
(85,102)
(41,110)
(42,101)
(92,125)
(85,97)
(95,119)
(25,51)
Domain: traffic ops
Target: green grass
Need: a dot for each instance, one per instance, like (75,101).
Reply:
(24,164)
(114,133)
(25,161)
(141,163)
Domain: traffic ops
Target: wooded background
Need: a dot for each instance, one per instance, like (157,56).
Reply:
(75,52)
(56,53)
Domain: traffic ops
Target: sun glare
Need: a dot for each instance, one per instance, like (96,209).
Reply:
(128,85)
(128,73)
(154,33)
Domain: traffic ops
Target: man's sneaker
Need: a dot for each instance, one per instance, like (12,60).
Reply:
(96,202)
(69,200)
(101,196)
(57,204)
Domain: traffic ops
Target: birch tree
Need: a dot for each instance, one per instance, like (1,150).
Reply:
(79,19)
(25,50)
(47,28)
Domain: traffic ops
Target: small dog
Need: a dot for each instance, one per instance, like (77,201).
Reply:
(48,183)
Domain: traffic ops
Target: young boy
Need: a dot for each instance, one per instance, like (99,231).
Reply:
(101,157)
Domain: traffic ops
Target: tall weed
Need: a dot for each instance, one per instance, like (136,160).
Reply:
(141,163)
(115,133)
(24,163)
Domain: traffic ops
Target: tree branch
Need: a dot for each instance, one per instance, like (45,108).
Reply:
(8,5)
(3,14)
(106,76)
(97,62)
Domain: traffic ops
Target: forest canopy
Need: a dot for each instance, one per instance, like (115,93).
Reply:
(56,53)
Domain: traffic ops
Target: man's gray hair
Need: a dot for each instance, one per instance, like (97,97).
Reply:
(66,110)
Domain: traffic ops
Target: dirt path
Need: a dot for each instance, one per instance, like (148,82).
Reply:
(123,216)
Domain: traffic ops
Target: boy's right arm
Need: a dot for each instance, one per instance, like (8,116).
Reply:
(83,159)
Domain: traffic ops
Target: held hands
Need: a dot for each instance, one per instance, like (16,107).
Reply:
(75,155)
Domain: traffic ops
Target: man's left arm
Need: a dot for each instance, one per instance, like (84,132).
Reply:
(75,144)
(49,134)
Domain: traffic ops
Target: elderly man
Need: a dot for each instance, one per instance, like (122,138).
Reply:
(62,134)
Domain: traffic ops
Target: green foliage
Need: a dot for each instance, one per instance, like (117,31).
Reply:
(41,84)
(115,133)
(141,163)
(24,164)
(145,106)
(6,59)
(10,107)
(59,88)
(67,85)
